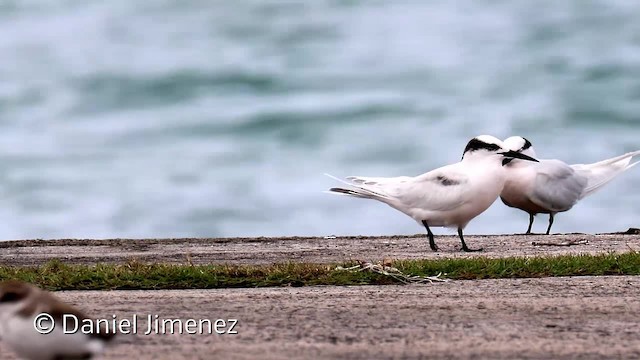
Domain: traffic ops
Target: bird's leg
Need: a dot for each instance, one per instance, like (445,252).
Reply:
(432,243)
(464,246)
(530,224)
(550,223)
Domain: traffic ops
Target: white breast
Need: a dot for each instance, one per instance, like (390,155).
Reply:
(20,335)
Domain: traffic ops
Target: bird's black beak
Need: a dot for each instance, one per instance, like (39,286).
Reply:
(517,155)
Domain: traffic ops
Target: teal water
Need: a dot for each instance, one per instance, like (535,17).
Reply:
(218,118)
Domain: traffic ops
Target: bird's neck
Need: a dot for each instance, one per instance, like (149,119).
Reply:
(484,161)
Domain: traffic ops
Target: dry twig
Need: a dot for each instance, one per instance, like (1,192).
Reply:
(392,272)
(564,243)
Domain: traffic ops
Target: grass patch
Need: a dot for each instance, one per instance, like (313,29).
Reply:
(56,275)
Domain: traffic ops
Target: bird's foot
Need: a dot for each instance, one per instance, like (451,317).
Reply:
(466,249)
(432,243)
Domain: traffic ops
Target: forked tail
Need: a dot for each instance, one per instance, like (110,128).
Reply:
(602,172)
(357,190)
(349,192)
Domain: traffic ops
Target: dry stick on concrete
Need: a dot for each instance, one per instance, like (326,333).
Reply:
(187,256)
(564,243)
(392,272)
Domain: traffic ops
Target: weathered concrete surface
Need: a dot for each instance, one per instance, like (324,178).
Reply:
(307,249)
(548,318)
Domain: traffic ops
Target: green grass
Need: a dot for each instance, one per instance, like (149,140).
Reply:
(56,275)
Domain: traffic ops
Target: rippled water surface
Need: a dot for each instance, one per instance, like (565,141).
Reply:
(219,118)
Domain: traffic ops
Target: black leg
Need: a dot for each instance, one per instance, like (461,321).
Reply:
(530,223)
(550,223)
(432,243)
(86,356)
(464,246)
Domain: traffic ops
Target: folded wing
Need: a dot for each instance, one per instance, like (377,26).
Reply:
(557,185)
(433,191)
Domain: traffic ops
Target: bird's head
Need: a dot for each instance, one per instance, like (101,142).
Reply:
(485,146)
(519,144)
(12,292)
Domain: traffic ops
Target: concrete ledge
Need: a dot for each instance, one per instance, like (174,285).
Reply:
(302,249)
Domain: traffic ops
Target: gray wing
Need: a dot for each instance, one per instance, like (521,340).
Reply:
(557,186)
(436,190)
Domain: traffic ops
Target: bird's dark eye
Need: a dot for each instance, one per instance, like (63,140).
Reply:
(9,297)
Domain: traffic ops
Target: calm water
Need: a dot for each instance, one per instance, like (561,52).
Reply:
(218,118)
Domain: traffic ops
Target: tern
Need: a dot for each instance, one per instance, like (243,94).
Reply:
(551,186)
(25,310)
(450,196)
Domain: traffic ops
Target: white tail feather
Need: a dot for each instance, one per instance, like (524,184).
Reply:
(602,172)
(628,156)
(359,190)
(338,193)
